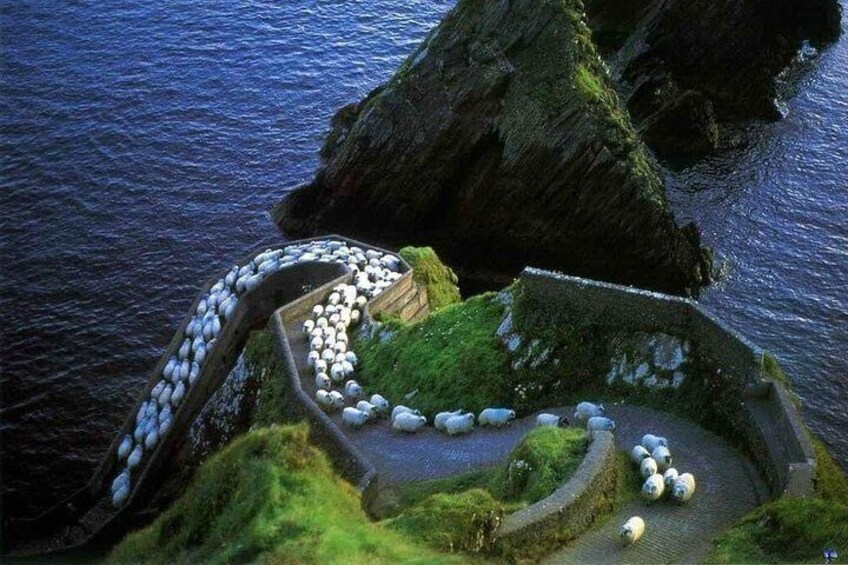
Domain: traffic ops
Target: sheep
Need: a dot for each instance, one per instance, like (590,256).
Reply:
(651,442)
(551,420)
(638,453)
(340,347)
(317,310)
(669,477)
(312,357)
(184,349)
(662,456)
(320,366)
(497,417)
(339,358)
(151,439)
(135,457)
(329,356)
(381,405)
(119,497)
(121,480)
(408,422)
(442,417)
(400,409)
(165,396)
(308,326)
(586,410)
(351,358)
(354,418)
(337,372)
(178,394)
(632,530)
(322,322)
(368,408)
(337,399)
(653,488)
(186,370)
(322,397)
(600,423)
(125,447)
(168,371)
(648,467)
(322,381)
(456,425)
(317,344)
(353,390)
(684,488)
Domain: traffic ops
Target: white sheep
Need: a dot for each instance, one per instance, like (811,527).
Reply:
(368,408)
(638,453)
(653,488)
(400,409)
(308,326)
(456,425)
(586,410)
(324,400)
(337,372)
(317,310)
(662,456)
(320,366)
(317,344)
(669,477)
(648,467)
(347,367)
(329,356)
(551,420)
(337,399)
(351,357)
(632,530)
(353,390)
(408,422)
(122,479)
(442,417)
(497,417)
(121,496)
(354,418)
(178,394)
(312,357)
(135,457)
(684,488)
(600,423)
(125,447)
(322,381)
(651,442)
(381,405)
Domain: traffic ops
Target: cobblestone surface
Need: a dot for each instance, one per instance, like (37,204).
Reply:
(728,486)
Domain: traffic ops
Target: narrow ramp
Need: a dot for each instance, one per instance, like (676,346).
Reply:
(728,487)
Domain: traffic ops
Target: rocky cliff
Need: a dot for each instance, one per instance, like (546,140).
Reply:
(501,141)
(688,65)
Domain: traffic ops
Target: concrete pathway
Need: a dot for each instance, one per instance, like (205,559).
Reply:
(728,486)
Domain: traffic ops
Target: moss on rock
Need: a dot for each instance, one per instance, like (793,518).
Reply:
(438,278)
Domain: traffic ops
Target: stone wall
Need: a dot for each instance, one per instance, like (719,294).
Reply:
(572,508)
(770,423)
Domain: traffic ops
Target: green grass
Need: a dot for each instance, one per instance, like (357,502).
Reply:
(831,480)
(428,270)
(263,363)
(408,495)
(453,358)
(272,497)
(550,456)
(788,530)
(464,521)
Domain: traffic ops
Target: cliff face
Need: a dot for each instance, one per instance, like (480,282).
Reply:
(691,64)
(501,141)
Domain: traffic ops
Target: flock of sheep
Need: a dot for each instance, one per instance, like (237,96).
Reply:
(373,272)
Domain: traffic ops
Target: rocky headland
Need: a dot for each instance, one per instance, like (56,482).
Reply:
(686,67)
(502,142)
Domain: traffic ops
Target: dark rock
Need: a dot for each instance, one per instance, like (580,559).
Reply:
(501,142)
(698,54)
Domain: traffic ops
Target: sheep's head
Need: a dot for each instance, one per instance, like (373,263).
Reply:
(626,532)
(679,491)
(601,409)
(562,422)
(649,488)
(511,415)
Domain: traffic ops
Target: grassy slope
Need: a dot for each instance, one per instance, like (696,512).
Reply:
(453,358)
(428,270)
(263,363)
(269,496)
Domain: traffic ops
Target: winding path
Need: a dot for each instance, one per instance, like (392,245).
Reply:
(728,484)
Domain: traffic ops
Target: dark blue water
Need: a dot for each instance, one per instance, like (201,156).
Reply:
(144,143)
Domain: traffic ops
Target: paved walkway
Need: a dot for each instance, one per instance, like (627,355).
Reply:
(728,486)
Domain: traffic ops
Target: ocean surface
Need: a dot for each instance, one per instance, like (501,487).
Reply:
(142,145)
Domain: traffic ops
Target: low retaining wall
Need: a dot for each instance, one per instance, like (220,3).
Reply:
(551,522)
(772,426)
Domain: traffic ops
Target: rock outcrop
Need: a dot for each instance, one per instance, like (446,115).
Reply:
(501,141)
(687,65)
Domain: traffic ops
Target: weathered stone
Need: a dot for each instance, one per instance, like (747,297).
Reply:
(502,141)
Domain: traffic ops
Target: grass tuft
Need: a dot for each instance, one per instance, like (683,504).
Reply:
(788,530)
(269,496)
(438,278)
(452,358)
